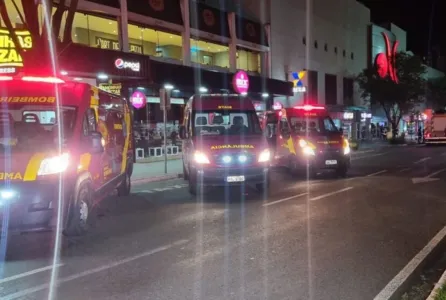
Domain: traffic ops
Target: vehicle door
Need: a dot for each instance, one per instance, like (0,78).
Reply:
(270,128)
(285,140)
(90,161)
(119,139)
(105,127)
(187,141)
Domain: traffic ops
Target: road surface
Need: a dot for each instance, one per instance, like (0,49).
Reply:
(321,239)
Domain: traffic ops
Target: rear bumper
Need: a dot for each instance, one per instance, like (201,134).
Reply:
(441,140)
(31,206)
(219,176)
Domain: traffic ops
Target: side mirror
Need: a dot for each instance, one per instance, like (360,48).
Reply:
(183,134)
(96,142)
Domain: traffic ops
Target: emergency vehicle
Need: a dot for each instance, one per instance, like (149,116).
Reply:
(64,147)
(305,136)
(435,128)
(223,143)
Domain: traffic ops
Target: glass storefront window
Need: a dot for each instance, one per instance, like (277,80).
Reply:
(209,54)
(248,60)
(95,32)
(155,43)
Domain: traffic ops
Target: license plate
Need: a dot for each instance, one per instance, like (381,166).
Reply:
(235,178)
(331,162)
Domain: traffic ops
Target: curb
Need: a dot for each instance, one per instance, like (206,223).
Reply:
(156,178)
(403,280)
(438,285)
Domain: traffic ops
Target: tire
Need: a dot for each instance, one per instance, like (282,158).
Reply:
(80,211)
(342,171)
(185,175)
(193,186)
(125,186)
(262,187)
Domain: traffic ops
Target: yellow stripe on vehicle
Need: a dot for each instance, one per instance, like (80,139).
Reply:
(33,167)
(127,138)
(84,162)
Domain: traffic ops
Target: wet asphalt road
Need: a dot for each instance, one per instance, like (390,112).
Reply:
(336,239)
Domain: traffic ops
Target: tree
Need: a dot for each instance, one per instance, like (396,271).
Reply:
(45,37)
(396,99)
(437,89)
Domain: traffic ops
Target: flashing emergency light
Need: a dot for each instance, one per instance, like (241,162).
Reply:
(309,107)
(42,79)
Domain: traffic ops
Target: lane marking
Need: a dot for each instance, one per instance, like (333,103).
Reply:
(364,151)
(421,160)
(29,273)
(378,154)
(23,293)
(436,173)
(404,170)
(331,194)
(284,199)
(145,192)
(389,290)
(376,173)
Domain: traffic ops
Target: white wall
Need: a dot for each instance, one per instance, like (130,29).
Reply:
(337,23)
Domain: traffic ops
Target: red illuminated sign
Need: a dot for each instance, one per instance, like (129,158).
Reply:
(385,62)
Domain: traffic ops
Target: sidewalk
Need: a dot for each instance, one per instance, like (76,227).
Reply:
(151,172)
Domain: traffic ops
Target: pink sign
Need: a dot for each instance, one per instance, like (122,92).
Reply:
(138,99)
(240,82)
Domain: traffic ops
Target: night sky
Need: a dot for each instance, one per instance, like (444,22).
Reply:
(413,16)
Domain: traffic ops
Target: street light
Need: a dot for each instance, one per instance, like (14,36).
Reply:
(265,95)
(102,76)
(203,89)
(168,86)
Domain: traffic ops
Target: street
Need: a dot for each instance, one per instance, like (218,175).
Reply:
(326,238)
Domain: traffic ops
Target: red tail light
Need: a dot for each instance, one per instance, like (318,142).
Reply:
(309,107)
(43,79)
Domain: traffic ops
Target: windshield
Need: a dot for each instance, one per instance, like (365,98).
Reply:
(312,125)
(27,127)
(220,122)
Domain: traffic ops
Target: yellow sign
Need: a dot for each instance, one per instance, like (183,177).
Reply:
(224,107)
(114,88)
(11,176)
(118,126)
(9,56)
(232,147)
(39,100)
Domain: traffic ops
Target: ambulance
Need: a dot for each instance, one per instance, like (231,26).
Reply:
(435,128)
(304,138)
(223,143)
(64,147)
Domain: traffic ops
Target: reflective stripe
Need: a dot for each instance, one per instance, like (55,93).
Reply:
(84,162)
(33,167)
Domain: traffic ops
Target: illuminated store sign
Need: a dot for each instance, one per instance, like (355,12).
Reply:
(385,63)
(240,82)
(298,85)
(10,59)
(123,64)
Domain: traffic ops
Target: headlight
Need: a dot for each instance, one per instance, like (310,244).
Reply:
(264,156)
(54,165)
(308,151)
(201,158)
(346,147)
(306,147)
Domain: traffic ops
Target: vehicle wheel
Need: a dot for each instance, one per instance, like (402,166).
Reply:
(263,187)
(185,175)
(193,186)
(125,186)
(80,212)
(342,171)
